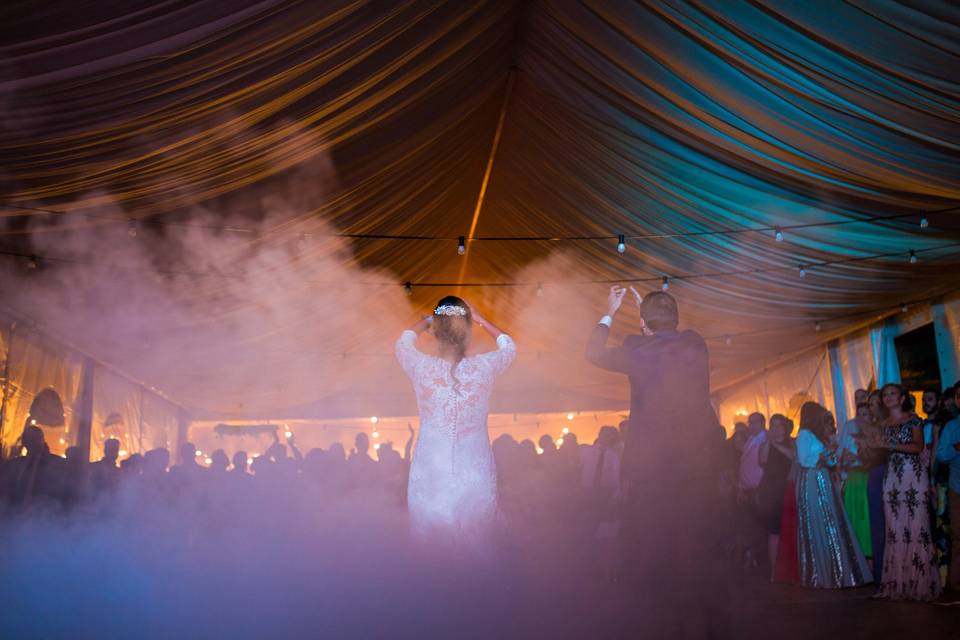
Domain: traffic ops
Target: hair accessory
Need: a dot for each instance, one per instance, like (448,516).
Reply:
(449,310)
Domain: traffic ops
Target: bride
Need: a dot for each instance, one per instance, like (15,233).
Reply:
(452,492)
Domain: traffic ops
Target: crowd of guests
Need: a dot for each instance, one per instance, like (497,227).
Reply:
(870,502)
(549,490)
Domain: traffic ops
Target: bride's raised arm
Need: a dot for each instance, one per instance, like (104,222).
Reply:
(485,324)
(406,348)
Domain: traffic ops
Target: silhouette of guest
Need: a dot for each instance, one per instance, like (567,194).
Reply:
(35,478)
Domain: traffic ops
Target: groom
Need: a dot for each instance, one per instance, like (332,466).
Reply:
(667,464)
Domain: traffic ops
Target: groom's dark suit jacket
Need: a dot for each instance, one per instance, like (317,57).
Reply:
(673,427)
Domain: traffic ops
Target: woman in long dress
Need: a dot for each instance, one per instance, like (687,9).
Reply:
(829,555)
(909,571)
(452,490)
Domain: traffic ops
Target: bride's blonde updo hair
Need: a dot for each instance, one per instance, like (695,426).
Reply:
(452,326)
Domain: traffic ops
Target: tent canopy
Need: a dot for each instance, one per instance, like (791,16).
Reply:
(194,191)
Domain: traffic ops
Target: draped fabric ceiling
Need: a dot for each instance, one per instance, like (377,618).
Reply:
(683,121)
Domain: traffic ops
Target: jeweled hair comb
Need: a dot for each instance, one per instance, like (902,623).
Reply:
(449,310)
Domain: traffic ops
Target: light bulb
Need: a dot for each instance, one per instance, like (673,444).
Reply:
(817,327)
(913,257)
(461,245)
(924,223)
(375,434)
(374,420)
(803,272)
(621,244)
(566,430)
(132,229)
(540,289)
(665,283)
(903,308)
(570,416)
(408,287)
(778,235)
(728,339)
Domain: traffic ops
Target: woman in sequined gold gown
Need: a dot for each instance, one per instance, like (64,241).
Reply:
(909,571)
(829,555)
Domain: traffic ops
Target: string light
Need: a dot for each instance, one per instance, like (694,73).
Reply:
(817,326)
(374,419)
(375,434)
(621,244)
(461,245)
(408,287)
(803,271)
(132,229)
(913,257)
(903,308)
(778,235)
(570,416)
(559,442)
(566,430)
(924,223)
(33,262)
(665,283)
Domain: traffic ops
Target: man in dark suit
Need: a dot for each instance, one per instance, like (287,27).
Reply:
(667,468)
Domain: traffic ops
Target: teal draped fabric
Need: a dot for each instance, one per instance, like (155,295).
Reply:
(885,362)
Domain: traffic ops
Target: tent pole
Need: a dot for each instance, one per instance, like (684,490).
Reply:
(511,81)
(85,422)
(6,384)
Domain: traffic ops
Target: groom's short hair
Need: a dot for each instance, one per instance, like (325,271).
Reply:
(659,311)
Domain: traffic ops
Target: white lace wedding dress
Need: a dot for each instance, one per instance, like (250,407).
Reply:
(452,492)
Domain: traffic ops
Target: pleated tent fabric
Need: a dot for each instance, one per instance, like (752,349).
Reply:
(697,130)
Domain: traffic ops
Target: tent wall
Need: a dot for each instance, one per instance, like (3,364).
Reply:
(33,364)
(782,389)
(124,410)
(864,358)
(121,408)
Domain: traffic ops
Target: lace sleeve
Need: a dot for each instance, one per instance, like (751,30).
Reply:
(407,353)
(501,359)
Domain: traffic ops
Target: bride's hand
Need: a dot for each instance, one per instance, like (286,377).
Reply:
(475,313)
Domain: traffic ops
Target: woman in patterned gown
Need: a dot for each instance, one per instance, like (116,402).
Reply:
(452,490)
(909,572)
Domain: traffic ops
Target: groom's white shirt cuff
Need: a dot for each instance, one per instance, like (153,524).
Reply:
(607,320)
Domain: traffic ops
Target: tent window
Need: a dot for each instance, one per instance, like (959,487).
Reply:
(917,354)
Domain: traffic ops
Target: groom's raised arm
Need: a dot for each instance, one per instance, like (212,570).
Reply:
(597,353)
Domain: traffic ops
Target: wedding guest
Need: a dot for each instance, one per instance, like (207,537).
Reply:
(600,481)
(829,555)
(855,496)
(948,453)
(776,457)
(788,561)
(874,462)
(751,471)
(909,572)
